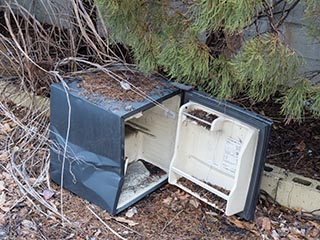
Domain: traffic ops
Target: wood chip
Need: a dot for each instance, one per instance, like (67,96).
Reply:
(266,224)
(125,220)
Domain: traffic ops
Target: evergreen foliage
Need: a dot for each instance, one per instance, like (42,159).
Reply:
(174,36)
(225,83)
(315,105)
(231,15)
(264,66)
(294,101)
(312,15)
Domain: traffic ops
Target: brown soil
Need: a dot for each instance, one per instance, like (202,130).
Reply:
(103,85)
(208,117)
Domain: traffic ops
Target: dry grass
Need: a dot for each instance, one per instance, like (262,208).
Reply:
(33,56)
(30,50)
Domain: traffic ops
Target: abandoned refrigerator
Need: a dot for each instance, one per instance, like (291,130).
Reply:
(113,153)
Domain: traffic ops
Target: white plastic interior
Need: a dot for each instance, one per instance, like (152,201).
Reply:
(150,135)
(214,157)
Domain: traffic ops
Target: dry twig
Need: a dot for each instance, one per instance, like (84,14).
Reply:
(106,225)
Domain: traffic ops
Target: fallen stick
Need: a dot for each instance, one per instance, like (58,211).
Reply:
(106,225)
(168,223)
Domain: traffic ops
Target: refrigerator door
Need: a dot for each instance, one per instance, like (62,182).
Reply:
(219,153)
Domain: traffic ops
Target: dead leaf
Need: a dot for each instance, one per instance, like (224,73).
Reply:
(32,181)
(2,199)
(5,209)
(301,146)
(291,236)
(29,224)
(237,222)
(266,224)
(4,156)
(131,212)
(295,231)
(314,233)
(2,187)
(70,236)
(259,220)
(167,200)
(194,202)
(183,196)
(316,225)
(127,221)
(47,194)
(6,128)
(3,219)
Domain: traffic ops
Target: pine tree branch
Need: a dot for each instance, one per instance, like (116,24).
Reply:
(286,13)
(268,12)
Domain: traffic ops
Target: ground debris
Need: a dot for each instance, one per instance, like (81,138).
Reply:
(131,212)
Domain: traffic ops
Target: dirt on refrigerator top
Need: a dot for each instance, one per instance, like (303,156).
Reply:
(124,86)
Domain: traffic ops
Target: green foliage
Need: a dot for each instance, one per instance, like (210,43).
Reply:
(179,59)
(162,35)
(315,101)
(264,65)
(312,16)
(294,101)
(129,24)
(159,36)
(223,82)
(231,15)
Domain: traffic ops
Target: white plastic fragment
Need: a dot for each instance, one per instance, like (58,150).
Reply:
(131,212)
(126,86)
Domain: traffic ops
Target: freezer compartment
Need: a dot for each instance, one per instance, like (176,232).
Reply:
(214,157)
(149,145)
